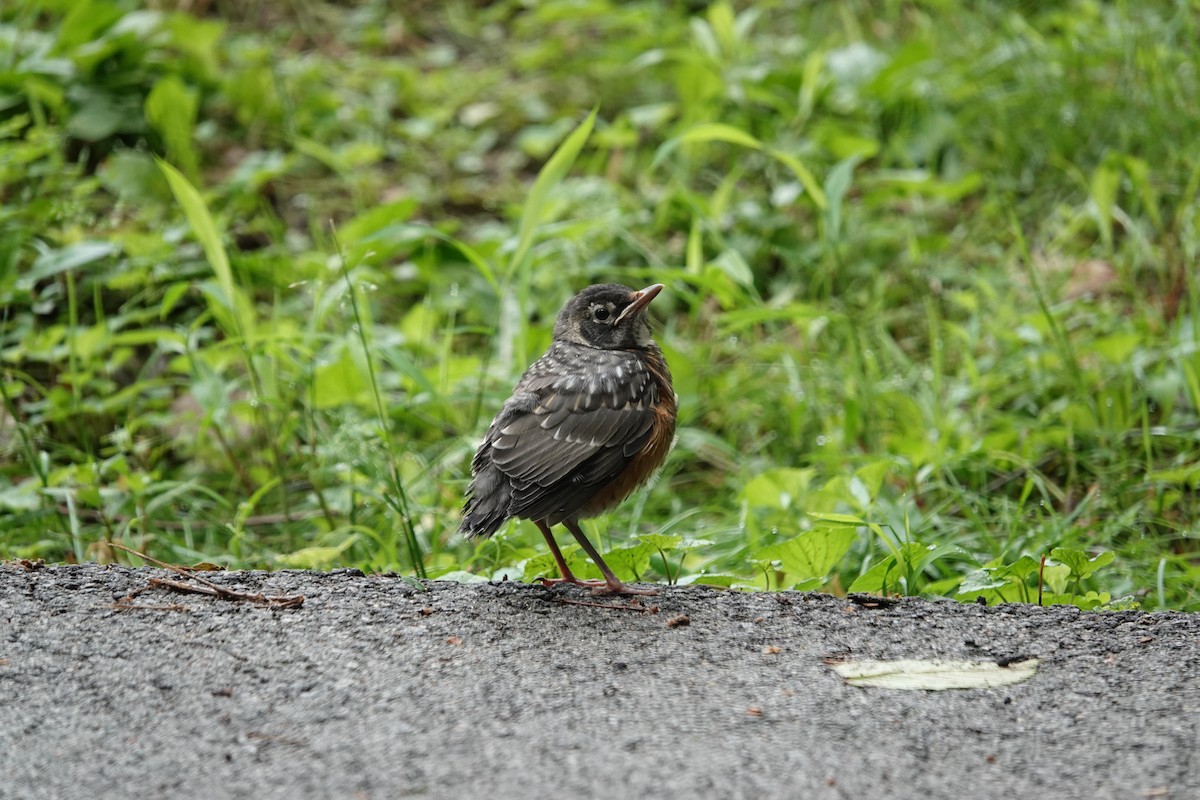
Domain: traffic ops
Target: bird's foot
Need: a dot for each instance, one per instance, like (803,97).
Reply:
(599,586)
(617,587)
(573,581)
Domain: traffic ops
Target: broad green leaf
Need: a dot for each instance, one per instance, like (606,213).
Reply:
(1078,563)
(777,488)
(661,541)
(934,674)
(744,22)
(1116,348)
(732,264)
(219,303)
(980,580)
(884,577)
(942,588)
(321,153)
(812,554)
(838,492)
(1086,601)
(1021,569)
(872,475)
(909,560)
(807,584)
(630,562)
(1056,578)
(316,557)
(544,566)
(1004,583)
(1004,593)
(341,381)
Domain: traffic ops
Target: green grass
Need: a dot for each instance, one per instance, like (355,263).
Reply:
(931,307)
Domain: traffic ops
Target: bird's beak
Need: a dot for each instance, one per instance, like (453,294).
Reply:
(641,299)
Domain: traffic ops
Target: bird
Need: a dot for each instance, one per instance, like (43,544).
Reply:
(587,423)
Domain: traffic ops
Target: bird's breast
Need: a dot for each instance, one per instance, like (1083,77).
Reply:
(646,461)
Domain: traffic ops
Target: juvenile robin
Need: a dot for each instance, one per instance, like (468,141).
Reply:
(589,422)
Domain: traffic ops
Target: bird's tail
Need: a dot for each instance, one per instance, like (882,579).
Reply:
(486,507)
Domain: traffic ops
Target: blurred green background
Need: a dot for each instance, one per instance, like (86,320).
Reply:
(268,269)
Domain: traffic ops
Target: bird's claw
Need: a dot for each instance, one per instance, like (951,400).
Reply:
(573,581)
(622,588)
(598,587)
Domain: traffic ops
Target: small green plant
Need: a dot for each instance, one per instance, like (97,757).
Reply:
(1059,579)
(930,309)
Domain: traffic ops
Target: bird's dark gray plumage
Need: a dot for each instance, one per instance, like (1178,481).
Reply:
(587,423)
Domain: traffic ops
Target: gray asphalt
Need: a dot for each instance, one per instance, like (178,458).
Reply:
(374,688)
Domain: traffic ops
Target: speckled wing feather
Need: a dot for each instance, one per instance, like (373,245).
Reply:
(561,437)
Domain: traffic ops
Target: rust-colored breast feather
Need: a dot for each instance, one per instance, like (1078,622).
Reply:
(654,452)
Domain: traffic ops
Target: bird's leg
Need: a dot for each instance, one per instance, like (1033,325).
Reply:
(612,584)
(563,569)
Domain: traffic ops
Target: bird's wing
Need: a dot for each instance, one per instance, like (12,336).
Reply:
(560,438)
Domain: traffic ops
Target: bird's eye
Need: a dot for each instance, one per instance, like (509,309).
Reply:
(600,313)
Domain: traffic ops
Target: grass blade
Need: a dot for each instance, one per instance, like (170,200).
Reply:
(551,175)
(236,315)
(720,132)
(398,498)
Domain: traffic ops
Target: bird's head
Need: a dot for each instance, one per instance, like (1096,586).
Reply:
(607,316)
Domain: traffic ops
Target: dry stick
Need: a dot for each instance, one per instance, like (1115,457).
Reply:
(210,588)
(613,606)
(127,600)
(1041,582)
